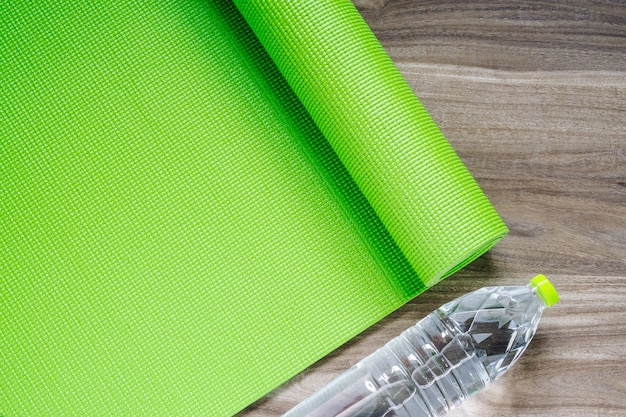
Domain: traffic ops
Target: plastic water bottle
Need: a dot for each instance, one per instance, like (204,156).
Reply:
(446,357)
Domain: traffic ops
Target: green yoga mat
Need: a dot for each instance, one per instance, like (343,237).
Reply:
(198,201)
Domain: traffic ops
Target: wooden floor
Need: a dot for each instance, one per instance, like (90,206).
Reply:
(532,95)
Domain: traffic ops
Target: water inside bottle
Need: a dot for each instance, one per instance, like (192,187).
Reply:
(433,366)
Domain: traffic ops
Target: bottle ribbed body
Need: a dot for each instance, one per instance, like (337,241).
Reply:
(426,371)
(436,364)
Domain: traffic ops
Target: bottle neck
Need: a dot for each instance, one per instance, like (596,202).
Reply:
(542,302)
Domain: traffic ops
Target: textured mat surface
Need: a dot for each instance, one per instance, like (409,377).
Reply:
(186,222)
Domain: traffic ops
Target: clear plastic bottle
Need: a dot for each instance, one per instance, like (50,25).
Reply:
(446,357)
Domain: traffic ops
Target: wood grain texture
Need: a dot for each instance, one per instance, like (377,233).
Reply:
(532,95)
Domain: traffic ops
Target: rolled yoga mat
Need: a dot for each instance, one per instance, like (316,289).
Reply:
(190,215)
(389,144)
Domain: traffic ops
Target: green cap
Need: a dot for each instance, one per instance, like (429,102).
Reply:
(545,289)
